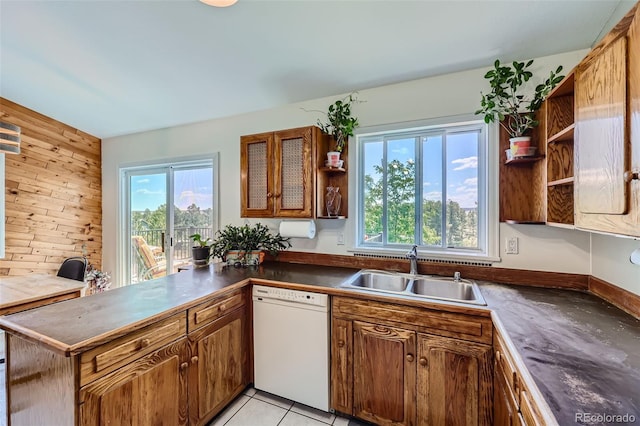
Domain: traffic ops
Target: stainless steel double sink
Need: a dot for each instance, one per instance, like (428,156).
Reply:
(419,286)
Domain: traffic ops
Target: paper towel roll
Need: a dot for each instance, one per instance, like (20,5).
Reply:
(298,228)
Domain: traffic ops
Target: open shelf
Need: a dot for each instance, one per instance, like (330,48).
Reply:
(564,135)
(521,160)
(558,182)
(333,169)
(524,222)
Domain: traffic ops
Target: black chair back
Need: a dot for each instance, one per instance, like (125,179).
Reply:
(73,268)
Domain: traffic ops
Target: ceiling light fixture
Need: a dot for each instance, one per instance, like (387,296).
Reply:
(219,3)
(9,138)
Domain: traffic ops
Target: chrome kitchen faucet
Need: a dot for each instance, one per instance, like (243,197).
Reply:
(412,255)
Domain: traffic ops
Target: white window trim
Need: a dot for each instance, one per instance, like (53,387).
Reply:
(491,252)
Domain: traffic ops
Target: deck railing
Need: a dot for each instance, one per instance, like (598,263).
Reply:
(182,244)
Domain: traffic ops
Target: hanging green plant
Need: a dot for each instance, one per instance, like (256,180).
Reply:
(507,102)
(340,124)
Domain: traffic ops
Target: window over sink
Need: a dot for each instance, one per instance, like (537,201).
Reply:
(425,184)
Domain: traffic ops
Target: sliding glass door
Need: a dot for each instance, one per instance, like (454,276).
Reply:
(165,205)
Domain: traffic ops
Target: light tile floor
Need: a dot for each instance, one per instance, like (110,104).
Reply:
(257,408)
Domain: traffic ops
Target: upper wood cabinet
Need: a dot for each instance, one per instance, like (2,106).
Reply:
(278,173)
(601,154)
(607,146)
(283,175)
(559,132)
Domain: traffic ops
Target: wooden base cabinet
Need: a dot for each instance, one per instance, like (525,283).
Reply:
(181,370)
(454,382)
(393,373)
(219,365)
(149,391)
(384,380)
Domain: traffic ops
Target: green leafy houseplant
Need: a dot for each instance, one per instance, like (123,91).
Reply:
(246,239)
(340,123)
(201,250)
(506,101)
(197,239)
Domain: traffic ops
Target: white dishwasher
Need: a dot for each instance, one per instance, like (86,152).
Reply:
(291,344)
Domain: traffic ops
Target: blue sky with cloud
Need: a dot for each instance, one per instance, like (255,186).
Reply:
(191,186)
(461,164)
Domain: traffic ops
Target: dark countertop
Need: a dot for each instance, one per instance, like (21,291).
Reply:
(76,325)
(582,352)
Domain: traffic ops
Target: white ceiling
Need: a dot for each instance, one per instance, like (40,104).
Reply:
(112,67)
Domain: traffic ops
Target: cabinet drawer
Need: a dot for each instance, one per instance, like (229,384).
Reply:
(208,312)
(506,364)
(447,324)
(110,356)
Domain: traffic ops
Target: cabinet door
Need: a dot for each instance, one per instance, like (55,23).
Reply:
(384,374)
(342,366)
(602,149)
(293,173)
(256,175)
(218,367)
(505,408)
(149,391)
(454,382)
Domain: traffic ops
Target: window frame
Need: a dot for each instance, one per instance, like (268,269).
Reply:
(123,225)
(488,226)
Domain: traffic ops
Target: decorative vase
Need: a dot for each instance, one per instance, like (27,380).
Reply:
(520,145)
(333,199)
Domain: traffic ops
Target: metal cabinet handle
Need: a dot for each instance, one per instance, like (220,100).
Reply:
(144,343)
(423,361)
(223,308)
(194,359)
(184,365)
(341,343)
(410,357)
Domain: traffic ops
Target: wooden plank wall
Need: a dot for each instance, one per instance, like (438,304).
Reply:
(53,192)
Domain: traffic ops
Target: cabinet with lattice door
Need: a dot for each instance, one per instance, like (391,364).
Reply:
(278,173)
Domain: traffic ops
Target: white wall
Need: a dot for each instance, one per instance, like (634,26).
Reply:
(610,261)
(541,248)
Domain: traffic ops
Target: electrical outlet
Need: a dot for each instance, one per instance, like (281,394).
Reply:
(340,238)
(512,245)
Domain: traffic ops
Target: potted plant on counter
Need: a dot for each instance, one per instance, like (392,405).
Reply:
(244,245)
(340,124)
(201,250)
(510,104)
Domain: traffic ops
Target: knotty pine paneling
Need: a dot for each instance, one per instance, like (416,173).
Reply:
(53,193)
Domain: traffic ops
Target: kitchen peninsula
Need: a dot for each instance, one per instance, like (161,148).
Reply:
(106,356)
